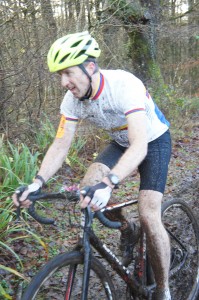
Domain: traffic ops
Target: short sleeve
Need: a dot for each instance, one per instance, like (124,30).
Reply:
(68,109)
(131,94)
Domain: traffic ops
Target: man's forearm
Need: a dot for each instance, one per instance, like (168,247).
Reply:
(57,152)
(137,151)
(130,160)
(52,161)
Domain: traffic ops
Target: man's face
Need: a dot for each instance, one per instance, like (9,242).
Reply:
(75,80)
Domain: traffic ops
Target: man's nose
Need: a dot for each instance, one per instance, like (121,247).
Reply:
(64,80)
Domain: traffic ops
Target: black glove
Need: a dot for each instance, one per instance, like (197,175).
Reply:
(99,194)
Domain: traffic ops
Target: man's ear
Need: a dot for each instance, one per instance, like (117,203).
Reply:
(91,68)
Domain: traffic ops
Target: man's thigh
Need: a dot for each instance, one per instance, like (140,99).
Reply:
(102,165)
(154,168)
(111,154)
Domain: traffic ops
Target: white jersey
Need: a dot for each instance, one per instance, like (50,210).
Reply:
(120,93)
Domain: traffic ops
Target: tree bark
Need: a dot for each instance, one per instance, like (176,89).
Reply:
(140,21)
(48,17)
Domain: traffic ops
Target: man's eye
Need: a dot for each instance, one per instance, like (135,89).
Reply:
(66,73)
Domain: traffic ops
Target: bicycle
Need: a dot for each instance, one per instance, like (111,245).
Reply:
(79,274)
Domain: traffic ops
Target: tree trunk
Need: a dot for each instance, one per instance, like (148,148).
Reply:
(140,21)
(48,17)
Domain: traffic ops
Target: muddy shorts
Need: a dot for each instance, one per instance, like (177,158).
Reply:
(153,169)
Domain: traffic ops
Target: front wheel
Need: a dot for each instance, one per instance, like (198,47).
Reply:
(183,231)
(61,279)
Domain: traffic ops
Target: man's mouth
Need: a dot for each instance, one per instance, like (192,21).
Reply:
(72,89)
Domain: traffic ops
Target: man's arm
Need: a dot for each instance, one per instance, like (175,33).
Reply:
(56,154)
(133,156)
(52,161)
(130,160)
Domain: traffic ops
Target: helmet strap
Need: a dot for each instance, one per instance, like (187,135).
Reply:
(89,91)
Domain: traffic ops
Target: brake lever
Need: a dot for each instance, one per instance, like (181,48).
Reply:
(18,210)
(18,214)
(19,192)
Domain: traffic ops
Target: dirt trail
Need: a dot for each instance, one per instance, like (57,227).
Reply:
(183,179)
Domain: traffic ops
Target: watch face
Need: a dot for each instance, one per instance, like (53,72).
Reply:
(114,179)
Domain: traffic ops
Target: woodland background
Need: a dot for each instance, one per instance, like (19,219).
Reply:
(156,40)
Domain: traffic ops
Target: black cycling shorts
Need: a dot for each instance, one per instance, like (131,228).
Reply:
(153,169)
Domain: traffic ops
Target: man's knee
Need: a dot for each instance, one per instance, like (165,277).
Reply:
(150,207)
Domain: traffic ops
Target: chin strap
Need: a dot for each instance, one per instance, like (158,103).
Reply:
(89,91)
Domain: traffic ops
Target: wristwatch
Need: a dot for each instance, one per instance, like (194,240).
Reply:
(41,179)
(113,179)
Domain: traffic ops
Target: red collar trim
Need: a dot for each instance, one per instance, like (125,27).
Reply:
(101,86)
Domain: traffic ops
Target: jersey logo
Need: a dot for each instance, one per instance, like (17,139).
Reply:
(60,131)
(123,127)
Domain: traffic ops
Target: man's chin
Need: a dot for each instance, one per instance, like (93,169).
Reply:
(76,94)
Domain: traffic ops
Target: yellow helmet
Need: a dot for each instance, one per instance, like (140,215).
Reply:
(72,50)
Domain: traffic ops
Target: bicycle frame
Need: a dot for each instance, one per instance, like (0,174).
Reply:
(89,238)
(135,281)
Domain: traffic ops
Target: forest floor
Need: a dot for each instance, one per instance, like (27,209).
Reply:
(183,182)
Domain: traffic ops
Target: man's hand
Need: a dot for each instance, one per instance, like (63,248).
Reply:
(96,196)
(24,192)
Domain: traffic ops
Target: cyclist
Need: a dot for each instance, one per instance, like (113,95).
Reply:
(118,102)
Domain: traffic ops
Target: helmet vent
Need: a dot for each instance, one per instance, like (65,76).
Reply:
(64,58)
(56,56)
(89,43)
(76,44)
(82,52)
(64,40)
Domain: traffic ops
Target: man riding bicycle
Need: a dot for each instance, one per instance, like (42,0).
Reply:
(118,102)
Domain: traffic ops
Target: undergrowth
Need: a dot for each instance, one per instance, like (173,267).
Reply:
(19,164)
(180,110)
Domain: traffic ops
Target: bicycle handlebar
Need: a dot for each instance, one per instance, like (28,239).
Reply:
(106,222)
(72,196)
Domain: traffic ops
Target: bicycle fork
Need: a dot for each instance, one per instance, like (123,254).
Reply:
(87,252)
(86,221)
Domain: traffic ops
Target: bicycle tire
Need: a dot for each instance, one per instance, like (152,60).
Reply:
(50,282)
(181,223)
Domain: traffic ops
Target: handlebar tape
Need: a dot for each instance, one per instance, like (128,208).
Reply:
(106,222)
(40,219)
(70,196)
(36,216)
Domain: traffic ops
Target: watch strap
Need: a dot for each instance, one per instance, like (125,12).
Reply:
(41,179)
(109,176)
